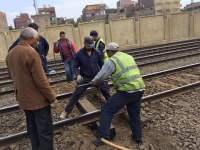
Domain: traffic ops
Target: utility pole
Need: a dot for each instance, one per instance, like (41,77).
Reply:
(34,4)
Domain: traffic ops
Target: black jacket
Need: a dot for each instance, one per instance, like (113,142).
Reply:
(42,48)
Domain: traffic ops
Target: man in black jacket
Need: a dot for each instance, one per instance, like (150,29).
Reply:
(42,48)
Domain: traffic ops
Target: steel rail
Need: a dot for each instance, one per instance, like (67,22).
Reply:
(139,49)
(94,116)
(141,52)
(62,72)
(139,58)
(14,108)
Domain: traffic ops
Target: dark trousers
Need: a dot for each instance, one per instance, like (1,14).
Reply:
(104,89)
(40,128)
(44,65)
(117,102)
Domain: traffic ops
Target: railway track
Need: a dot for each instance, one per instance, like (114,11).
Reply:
(160,85)
(141,61)
(171,47)
(94,116)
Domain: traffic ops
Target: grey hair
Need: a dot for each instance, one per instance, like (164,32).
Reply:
(28,32)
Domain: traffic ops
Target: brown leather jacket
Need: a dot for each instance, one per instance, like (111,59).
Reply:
(31,85)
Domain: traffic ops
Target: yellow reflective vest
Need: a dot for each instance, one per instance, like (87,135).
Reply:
(127,76)
(105,58)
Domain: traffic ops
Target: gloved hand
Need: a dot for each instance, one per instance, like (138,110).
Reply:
(79,79)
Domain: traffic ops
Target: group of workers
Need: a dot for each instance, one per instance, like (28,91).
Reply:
(92,65)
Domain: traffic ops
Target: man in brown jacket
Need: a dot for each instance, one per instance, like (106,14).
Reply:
(32,89)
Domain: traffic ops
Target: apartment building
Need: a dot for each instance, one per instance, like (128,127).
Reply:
(94,12)
(22,21)
(46,17)
(195,6)
(3,23)
(162,6)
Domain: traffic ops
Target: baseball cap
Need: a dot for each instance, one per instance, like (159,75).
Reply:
(89,41)
(112,46)
(93,33)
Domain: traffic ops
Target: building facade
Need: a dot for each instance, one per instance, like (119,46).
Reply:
(192,7)
(112,13)
(162,6)
(22,21)
(46,17)
(139,10)
(3,23)
(94,12)
(123,3)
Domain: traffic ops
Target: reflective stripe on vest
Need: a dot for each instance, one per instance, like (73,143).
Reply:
(123,70)
(127,80)
(126,77)
(105,56)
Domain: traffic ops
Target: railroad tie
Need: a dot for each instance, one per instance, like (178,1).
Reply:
(87,107)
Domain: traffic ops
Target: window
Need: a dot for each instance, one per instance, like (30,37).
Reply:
(175,9)
(198,7)
(97,13)
(37,19)
(52,18)
(45,19)
(88,15)
(167,3)
(167,10)
(158,4)
(159,11)
(176,2)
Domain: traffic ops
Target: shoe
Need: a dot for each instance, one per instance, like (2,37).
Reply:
(139,142)
(63,115)
(97,142)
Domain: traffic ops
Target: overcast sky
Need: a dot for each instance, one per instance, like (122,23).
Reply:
(64,8)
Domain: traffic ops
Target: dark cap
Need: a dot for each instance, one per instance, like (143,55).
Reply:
(89,41)
(93,33)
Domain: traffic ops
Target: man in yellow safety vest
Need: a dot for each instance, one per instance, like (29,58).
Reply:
(99,44)
(130,87)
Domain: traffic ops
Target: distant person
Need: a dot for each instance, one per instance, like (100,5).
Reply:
(32,89)
(99,45)
(42,48)
(88,59)
(67,52)
(129,87)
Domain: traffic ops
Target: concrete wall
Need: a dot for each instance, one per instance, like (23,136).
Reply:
(123,31)
(128,33)
(196,24)
(3,47)
(85,28)
(14,35)
(52,34)
(152,29)
(179,26)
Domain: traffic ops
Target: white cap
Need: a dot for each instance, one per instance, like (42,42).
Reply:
(112,46)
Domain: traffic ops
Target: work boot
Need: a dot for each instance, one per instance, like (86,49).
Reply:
(97,142)
(64,115)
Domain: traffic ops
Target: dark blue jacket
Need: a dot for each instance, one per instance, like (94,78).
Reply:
(89,65)
(69,47)
(42,48)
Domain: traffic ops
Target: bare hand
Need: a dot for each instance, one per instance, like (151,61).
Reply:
(55,103)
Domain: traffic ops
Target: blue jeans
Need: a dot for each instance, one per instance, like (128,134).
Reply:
(80,90)
(117,102)
(69,69)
